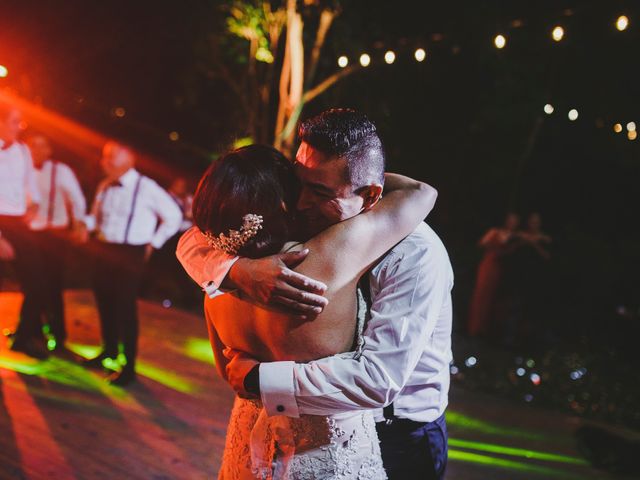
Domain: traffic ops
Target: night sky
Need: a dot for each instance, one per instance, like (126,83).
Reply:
(463,120)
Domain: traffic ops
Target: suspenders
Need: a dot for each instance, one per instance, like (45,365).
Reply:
(132,210)
(52,193)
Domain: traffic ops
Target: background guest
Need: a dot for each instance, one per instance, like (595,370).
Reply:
(125,217)
(63,204)
(19,198)
(497,243)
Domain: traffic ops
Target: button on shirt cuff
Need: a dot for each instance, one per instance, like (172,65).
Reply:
(276,389)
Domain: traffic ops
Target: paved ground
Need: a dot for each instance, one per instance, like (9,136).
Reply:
(59,421)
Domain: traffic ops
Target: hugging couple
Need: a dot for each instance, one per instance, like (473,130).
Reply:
(328,307)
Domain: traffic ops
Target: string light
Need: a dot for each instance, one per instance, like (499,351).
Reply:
(420,54)
(119,112)
(631,126)
(343,61)
(558,33)
(622,23)
(365,60)
(389,57)
(548,109)
(3,71)
(174,136)
(573,114)
(500,41)
(617,128)
(632,135)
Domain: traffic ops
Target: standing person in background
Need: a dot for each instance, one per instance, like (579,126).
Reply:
(184,199)
(533,263)
(125,217)
(19,199)
(497,244)
(62,206)
(164,277)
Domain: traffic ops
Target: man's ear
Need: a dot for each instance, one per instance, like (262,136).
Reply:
(370,195)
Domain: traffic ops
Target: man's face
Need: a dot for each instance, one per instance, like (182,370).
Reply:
(326,196)
(40,150)
(10,126)
(116,160)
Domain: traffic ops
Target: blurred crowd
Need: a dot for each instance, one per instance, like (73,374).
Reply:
(128,233)
(510,294)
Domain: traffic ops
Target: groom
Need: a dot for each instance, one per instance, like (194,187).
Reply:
(403,372)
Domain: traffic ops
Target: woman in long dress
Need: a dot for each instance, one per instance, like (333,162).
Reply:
(247,200)
(497,244)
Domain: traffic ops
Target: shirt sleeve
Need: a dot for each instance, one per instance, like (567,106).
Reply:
(207,266)
(31,183)
(91,219)
(412,289)
(74,195)
(168,212)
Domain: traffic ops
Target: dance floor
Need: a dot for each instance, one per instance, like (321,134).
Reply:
(60,421)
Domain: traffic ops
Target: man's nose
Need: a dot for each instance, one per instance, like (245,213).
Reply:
(304,200)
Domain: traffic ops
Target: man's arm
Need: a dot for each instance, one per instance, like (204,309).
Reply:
(268,280)
(414,287)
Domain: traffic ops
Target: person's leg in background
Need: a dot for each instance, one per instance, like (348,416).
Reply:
(128,279)
(103,281)
(28,337)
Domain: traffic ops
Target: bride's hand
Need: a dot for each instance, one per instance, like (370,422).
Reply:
(239,366)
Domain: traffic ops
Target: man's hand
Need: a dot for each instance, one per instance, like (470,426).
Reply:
(148,251)
(31,214)
(240,364)
(79,232)
(7,253)
(270,281)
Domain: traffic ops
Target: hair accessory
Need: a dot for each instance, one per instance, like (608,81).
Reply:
(236,239)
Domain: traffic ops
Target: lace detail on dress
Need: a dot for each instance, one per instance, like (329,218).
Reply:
(340,447)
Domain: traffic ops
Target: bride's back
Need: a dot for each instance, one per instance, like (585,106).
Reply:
(270,335)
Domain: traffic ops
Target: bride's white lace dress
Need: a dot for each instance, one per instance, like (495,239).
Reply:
(341,446)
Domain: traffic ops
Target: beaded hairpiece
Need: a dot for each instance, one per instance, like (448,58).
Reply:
(236,239)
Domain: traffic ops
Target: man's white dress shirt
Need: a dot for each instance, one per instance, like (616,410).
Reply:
(407,339)
(18,187)
(132,208)
(62,197)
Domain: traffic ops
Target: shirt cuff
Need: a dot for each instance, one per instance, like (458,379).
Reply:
(90,222)
(218,271)
(276,389)
(158,242)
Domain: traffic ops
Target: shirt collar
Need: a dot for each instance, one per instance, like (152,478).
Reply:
(129,177)
(4,145)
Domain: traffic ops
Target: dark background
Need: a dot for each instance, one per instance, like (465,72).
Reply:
(464,120)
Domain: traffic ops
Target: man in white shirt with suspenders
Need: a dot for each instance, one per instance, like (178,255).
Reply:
(62,206)
(19,199)
(130,217)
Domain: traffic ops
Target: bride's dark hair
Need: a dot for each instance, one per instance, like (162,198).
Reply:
(254,179)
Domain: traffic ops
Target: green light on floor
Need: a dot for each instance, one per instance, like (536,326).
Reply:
(458,455)
(469,423)
(199,349)
(515,452)
(26,368)
(165,377)
(86,351)
(111,364)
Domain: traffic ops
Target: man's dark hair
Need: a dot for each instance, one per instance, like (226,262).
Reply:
(255,179)
(346,133)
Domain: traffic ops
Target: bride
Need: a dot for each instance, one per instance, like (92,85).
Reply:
(245,205)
